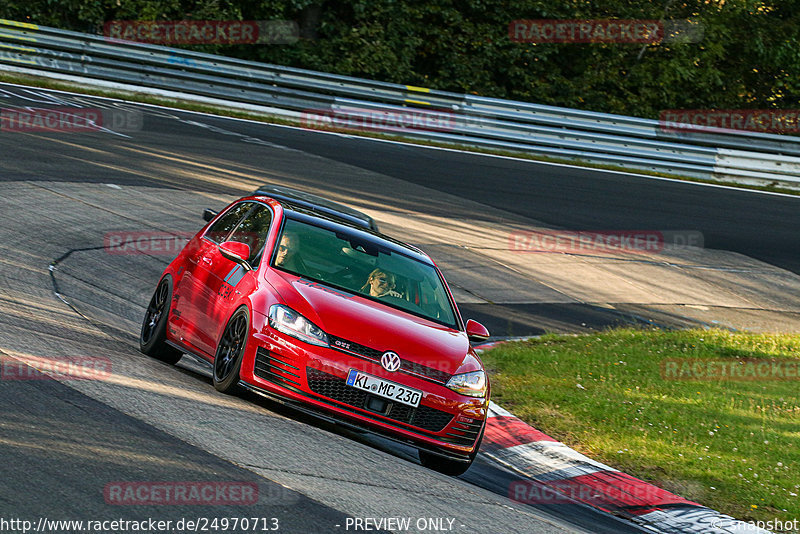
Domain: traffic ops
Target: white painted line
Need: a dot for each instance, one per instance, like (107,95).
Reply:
(495,411)
(550,460)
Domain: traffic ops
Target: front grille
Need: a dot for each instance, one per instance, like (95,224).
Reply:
(375,355)
(276,369)
(331,386)
(341,343)
(336,388)
(424,370)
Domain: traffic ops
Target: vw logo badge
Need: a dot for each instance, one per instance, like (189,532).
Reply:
(390,361)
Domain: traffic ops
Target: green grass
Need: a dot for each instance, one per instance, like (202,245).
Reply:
(189,105)
(733,445)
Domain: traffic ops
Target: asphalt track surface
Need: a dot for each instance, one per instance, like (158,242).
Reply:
(63,442)
(69,441)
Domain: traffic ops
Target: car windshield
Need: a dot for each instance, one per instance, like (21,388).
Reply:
(350,261)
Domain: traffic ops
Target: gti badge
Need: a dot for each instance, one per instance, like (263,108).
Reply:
(390,361)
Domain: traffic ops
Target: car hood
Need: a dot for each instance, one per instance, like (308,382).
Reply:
(368,323)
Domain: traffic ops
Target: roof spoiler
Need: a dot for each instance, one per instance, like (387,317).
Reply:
(317,203)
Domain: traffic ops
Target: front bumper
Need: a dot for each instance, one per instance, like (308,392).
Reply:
(311,377)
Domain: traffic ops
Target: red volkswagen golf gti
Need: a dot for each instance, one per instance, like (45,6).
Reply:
(300,304)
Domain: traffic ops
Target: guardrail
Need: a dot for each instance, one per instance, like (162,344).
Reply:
(600,138)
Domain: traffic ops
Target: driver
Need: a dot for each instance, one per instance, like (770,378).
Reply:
(287,256)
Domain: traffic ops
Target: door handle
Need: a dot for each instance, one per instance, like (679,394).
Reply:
(206,260)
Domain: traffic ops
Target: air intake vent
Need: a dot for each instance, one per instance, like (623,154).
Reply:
(276,369)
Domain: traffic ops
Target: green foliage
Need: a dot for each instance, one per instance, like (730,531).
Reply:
(748,57)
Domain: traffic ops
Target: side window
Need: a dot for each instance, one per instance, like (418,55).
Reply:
(219,230)
(253,232)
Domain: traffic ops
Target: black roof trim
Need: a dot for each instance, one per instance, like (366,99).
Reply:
(317,203)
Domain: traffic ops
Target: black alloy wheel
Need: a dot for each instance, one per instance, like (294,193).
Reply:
(153,336)
(230,350)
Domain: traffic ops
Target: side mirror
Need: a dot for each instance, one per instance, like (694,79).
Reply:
(235,251)
(209,214)
(476,331)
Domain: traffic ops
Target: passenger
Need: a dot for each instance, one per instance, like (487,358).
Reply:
(381,283)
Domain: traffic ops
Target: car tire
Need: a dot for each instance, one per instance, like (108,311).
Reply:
(153,335)
(230,350)
(447,466)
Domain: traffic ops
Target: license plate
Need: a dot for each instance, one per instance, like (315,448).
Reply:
(384,388)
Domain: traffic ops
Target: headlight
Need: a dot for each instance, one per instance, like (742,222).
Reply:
(291,323)
(471,384)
